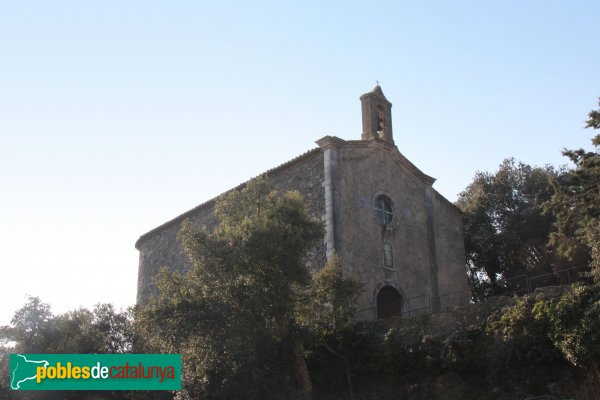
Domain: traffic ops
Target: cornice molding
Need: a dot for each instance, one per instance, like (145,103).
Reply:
(330,142)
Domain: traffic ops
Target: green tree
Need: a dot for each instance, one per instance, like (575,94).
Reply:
(5,351)
(576,202)
(232,316)
(29,327)
(574,325)
(34,329)
(506,230)
(329,312)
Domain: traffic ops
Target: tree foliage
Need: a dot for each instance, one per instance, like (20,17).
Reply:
(574,324)
(34,329)
(233,315)
(328,313)
(519,348)
(506,230)
(576,202)
(331,300)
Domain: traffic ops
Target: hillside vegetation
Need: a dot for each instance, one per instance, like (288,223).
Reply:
(533,347)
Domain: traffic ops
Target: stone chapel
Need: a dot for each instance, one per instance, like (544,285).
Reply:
(392,230)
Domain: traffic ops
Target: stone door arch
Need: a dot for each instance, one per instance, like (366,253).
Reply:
(389,303)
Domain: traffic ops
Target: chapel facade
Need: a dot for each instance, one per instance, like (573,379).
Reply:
(392,230)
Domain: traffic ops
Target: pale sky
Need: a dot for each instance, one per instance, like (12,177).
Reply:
(116,116)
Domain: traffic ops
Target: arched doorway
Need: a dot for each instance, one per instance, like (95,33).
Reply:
(389,303)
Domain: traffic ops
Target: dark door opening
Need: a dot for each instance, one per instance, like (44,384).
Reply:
(389,303)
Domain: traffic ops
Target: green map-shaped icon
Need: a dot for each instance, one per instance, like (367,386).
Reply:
(23,369)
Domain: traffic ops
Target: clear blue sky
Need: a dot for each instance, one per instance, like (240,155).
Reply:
(116,116)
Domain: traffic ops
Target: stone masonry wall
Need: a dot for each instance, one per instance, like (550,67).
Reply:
(450,252)
(159,247)
(425,234)
(365,173)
